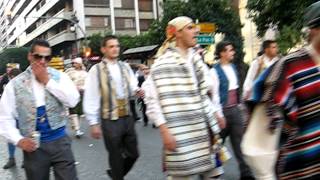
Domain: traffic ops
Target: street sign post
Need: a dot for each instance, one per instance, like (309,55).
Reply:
(207,28)
(205,39)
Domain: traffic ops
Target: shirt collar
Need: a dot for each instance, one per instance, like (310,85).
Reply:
(313,53)
(106,60)
(267,61)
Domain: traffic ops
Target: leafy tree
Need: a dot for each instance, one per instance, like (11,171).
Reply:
(14,55)
(285,15)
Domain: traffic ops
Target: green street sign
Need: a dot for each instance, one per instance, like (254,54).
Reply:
(205,39)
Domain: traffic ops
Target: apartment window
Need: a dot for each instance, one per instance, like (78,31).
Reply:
(145,24)
(128,23)
(106,21)
(117,4)
(124,23)
(88,21)
(97,2)
(127,4)
(145,5)
(40,4)
(97,21)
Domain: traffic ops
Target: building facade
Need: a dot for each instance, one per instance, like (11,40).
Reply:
(65,22)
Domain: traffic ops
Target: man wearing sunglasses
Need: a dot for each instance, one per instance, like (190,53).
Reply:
(38,98)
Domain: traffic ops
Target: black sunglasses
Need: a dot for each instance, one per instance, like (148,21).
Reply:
(40,57)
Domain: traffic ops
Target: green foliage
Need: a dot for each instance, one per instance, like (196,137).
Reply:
(94,44)
(289,37)
(283,14)
(14,55)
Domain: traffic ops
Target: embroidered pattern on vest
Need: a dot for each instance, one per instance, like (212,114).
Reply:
(109,106)
(26,107)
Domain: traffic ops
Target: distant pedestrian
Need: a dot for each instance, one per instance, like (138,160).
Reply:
(11,147)
(78,75)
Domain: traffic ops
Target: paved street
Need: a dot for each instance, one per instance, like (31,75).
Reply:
(92,159)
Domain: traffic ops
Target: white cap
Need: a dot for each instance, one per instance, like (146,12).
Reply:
(77,60)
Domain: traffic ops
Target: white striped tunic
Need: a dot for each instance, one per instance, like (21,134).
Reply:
(187,111)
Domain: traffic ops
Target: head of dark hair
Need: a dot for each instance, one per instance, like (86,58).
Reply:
(266,44)
(106,39)
(39,42)
(14,72)
(221,47)
(260,53)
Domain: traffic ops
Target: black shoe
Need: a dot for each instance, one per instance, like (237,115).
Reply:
(11,163)
(22,165)
(109,172)
(154,126)
(247,178)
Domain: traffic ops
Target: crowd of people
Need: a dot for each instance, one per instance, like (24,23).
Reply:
(194,106)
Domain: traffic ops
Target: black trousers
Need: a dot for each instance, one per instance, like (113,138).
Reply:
(132,103)
(145,117)
(235,130)
(121,142)
(56,154)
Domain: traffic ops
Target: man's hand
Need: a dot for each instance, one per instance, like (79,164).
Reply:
(168,139)
(221,121)
(95,131)
(247,95)
(27,144)
(40,72)
(140,93)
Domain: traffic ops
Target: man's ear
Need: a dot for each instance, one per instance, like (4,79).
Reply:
(30,57)
(102,50)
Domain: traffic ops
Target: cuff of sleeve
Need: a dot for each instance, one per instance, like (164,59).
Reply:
(220,113)
(16,139)
(159,122)
(51,84)
(92,120)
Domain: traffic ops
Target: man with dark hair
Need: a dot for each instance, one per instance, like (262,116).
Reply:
(37,98)
(5,79)
(225,76)
(293,99)
(269,56)
(108,88)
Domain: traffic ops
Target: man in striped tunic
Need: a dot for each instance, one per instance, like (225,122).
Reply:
(296,92)
(177,102)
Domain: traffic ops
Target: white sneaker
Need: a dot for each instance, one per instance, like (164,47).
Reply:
(79,133)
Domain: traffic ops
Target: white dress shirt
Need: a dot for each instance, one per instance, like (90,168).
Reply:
(92,96)
(230,73)
(64,90)
(151,97)
(253,70)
